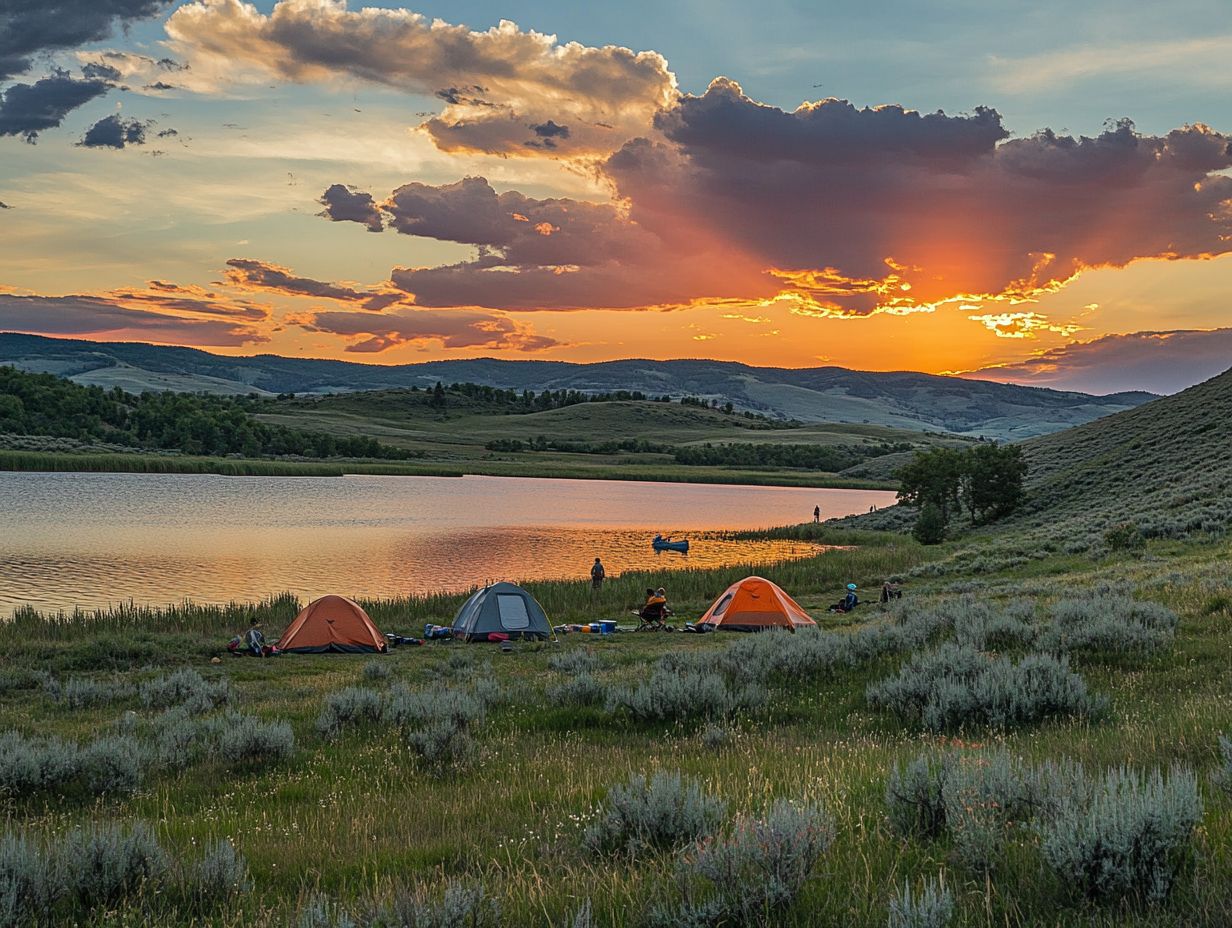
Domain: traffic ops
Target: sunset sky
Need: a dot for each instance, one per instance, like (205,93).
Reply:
(1038,192)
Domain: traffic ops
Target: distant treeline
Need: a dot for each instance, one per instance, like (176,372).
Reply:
(523,401)
(830,458)
(192,423)
(542,443)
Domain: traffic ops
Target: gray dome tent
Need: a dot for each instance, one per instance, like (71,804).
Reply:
(505,608)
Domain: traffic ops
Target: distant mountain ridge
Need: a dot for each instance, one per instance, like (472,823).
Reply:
(909,400)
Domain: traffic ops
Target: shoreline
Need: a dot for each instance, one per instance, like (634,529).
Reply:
(123,463)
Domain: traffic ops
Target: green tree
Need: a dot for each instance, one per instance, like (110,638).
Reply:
(438,396)
(993,481)
(935,477)
(930,526)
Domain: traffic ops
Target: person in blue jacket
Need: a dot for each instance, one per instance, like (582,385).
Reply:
(850,601)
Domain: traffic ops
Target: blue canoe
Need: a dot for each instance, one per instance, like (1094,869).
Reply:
(666,544)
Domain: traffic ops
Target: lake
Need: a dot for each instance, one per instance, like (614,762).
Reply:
(90,540)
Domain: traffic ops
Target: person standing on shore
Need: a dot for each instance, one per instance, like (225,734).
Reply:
(597,575)
(816,513)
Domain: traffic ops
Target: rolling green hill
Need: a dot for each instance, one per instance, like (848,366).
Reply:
(1166,467)
(905,400)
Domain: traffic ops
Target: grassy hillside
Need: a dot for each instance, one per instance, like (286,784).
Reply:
(457,436)
(905,400)
(338,804)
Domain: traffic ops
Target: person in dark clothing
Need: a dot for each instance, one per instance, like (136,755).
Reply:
(255,639)
(816,513)
(850,601)
(890,591)
(597,575)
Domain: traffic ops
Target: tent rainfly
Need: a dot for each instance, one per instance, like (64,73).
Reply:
(332,623)
(502,608)
(753,605)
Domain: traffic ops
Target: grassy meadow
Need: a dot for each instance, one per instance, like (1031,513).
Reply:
(358,814)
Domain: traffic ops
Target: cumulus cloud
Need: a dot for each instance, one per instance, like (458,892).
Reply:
(939,203)
(114,131)
(1158,362)
(85,315)
(459,328)
(831,209)
(556,253)
(31,28)
(345,204)
(28,109)
(497,85)
(250,274)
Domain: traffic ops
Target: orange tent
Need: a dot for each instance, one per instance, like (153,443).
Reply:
(752,605)
(332,623)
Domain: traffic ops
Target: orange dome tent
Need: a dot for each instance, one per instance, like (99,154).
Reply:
(332,623)
(753,605)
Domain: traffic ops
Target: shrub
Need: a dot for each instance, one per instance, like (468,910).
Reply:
(29,883)
(753,875)
(929,526)
(319,912)
(575,663)
(461,906)
(376,670)
(670,696)
(714,737)
(106,863)
(177,739)
(932,908)
(1223,776)
(442,743)
(979,626)
(112,765)
(248,741)
(350,706)
(1125,536)
(185,688)
(220,874)
(409,709)
(1096,624)
(956,685)
(582,690)
(27,766)
(913,797)
(81,693)
(1129,838)
(488,691)
(662,813)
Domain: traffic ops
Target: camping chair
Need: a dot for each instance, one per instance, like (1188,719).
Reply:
(652,618)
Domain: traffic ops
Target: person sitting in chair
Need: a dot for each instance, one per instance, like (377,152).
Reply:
(850,601)
(654,610)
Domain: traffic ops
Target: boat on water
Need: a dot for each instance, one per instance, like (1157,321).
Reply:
(667,544)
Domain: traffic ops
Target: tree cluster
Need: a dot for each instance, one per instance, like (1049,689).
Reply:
(193,423)
(830,458)
(985,481)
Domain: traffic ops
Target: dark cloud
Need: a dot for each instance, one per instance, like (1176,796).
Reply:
(160,85)
(170,64)
(28,109)
(168,134)
(4,205)
(98,71)
(115,132)
(31,27)
(458,328)
(550,130)
(250,274)
(852,203)
(96,316)
(1158,362)
(345,204)
(493,83)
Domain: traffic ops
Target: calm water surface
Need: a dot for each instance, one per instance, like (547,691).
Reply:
(90,540)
